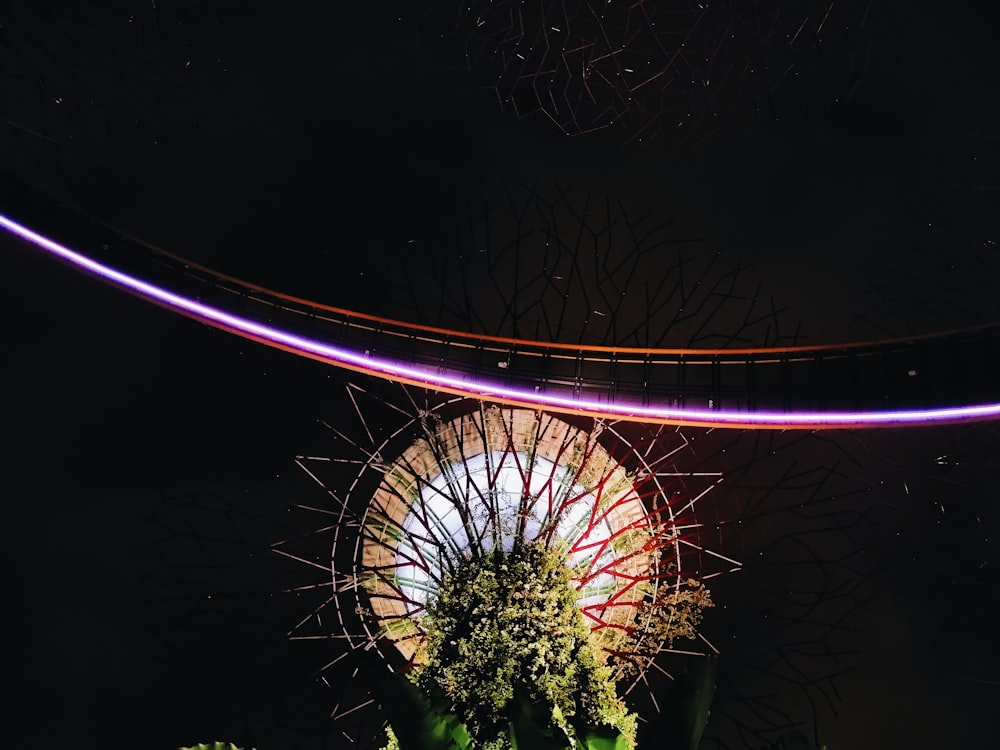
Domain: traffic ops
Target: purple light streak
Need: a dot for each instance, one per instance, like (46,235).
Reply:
(486,389)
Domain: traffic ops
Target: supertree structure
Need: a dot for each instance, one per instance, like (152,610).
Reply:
(805,513)
(831,530)
(449,484)
(670,70)
(498,479)
(555,262)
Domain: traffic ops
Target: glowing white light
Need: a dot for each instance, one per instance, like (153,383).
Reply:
(490,488)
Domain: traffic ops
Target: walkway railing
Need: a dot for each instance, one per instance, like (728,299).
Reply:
(952,376)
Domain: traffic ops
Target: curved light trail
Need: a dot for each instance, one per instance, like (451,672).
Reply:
(441,379)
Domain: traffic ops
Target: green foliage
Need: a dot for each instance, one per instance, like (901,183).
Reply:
(421,723)
(677,613)
(673,612)
(689,696)
(418,720)
(508,647)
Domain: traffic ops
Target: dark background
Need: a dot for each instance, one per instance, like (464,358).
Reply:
(145,457)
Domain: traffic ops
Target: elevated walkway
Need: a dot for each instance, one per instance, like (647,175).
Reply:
(953,376)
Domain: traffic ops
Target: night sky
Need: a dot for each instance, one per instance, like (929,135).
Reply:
(148,460)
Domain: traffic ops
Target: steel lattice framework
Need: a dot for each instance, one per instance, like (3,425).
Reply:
(830,527)
(469,481)
(667,70)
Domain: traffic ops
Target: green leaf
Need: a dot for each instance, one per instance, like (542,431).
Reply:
(602,738)
(420,722)
(505,622)
(689,698)
(529,727)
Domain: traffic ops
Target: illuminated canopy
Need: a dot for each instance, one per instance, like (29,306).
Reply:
(497,478)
